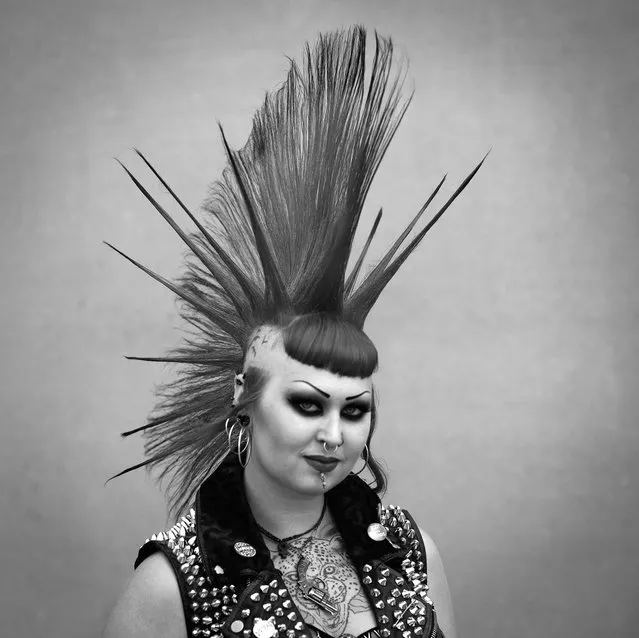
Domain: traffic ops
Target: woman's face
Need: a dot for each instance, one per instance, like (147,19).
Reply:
(301,408)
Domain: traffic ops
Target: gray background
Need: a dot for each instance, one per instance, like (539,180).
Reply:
(509,342)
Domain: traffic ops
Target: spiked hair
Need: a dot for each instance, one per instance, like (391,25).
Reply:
(275,245)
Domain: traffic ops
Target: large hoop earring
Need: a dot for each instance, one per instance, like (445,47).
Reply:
(244,446)
(229,430)
(366,450)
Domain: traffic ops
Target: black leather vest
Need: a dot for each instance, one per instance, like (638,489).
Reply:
(232,590)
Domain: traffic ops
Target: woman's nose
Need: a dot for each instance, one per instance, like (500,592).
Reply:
(333,429)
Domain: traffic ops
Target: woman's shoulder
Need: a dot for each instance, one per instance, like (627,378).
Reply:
(150,604)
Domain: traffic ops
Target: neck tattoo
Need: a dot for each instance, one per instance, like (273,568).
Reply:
(283,543)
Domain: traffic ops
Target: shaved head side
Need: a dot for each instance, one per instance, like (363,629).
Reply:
(265,349)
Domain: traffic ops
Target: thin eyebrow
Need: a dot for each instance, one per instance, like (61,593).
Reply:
(326,394)
(357,395)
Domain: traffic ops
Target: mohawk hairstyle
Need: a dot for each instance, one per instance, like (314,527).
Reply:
(276,241)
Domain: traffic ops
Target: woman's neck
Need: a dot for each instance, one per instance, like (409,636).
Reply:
(280,512)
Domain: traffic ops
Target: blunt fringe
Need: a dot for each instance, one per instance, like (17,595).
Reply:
(331,343)
(274,243)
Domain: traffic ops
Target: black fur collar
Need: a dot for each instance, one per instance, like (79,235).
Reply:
(223,518)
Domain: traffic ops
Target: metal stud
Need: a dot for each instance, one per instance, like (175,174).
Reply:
(207,620)
(367,568)
(273,584)
(411,622)
(299,626)
(205,606)
(287,604)
(290,633)
(385,633)
(245,613)
(384,619)
(400,625)
(282,592)
(247,633)
(267,607)
(406,634)
(421,620)
(375,592)
(367,580)
(380,604)
(382,582)
(195,619)
(292,616)
(279,612)
(273,597)
(254,597)
(419,631)
(264,588)
(196,632)
(192,593)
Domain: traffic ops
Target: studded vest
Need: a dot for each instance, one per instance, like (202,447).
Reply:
(231,589)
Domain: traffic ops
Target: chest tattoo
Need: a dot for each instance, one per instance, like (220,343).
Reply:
(324,564)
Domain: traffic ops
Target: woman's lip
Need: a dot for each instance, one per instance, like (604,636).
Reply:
(321,465)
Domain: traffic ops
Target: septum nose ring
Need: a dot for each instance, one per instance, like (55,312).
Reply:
(330,451)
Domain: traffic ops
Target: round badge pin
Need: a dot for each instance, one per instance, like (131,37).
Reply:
(264,629)
(244,549)
(377,531)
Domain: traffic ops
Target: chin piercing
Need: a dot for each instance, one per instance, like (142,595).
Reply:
(323,477)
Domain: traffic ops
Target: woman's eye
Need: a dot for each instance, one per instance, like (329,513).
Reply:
(354,412)
(306,407)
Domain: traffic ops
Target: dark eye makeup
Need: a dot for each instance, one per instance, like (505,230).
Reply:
(310,406)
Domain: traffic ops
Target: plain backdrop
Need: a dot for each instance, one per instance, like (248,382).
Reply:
(509,342)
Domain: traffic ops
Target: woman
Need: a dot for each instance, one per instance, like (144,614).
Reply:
(262,431)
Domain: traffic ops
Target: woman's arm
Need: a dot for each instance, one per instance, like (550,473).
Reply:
(150,605)
(439,592)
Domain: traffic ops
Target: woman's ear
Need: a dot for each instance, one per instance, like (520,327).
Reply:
(238,387)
